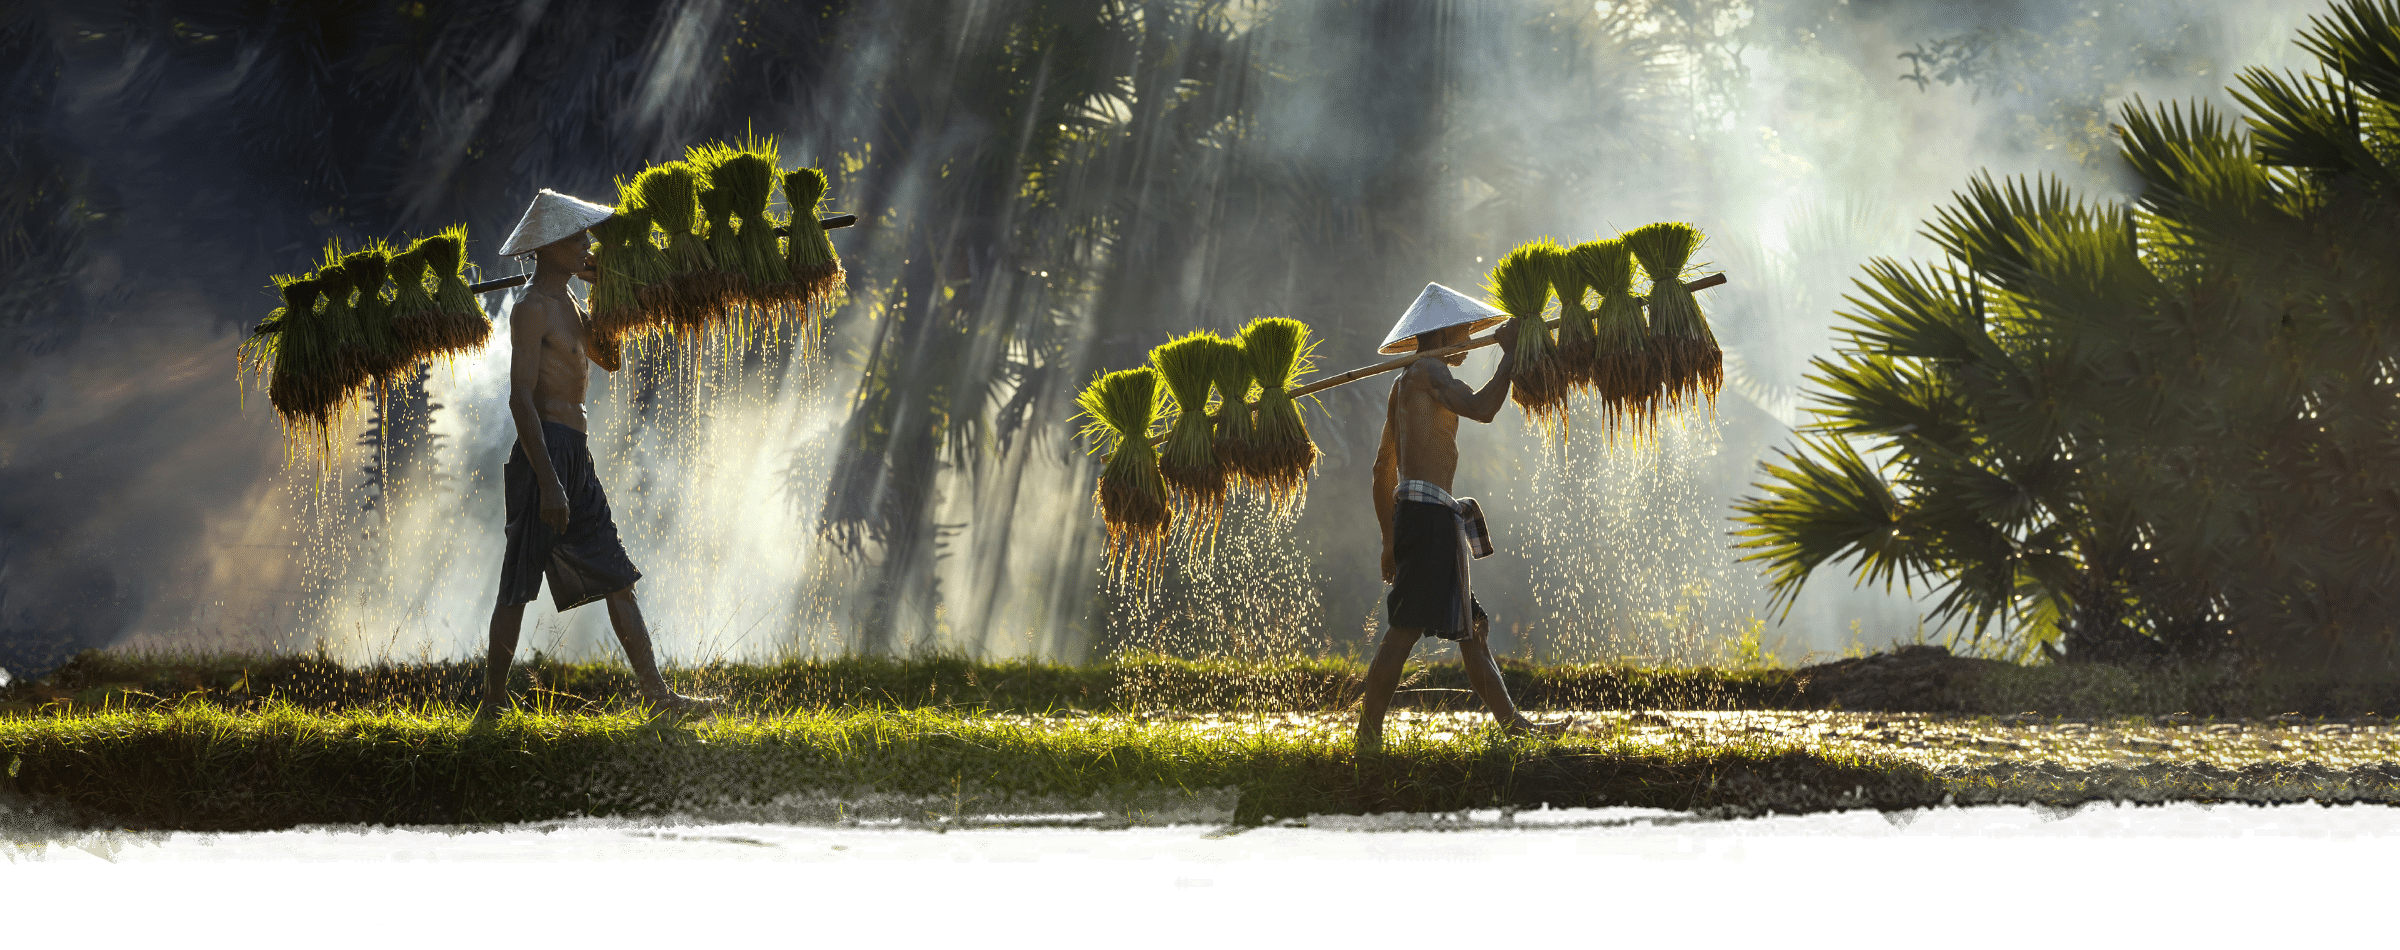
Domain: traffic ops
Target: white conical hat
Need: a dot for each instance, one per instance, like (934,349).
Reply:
(1436,308)
(552,216)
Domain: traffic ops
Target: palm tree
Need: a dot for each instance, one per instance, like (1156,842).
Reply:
(2145,430)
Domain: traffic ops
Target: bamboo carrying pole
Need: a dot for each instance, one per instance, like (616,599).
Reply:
(1352,376)
(829,223)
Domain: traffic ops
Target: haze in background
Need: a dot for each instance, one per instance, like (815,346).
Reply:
(1356,151)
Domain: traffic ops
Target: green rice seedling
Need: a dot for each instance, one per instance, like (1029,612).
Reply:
(306,386)
(1520,285)
(1695,365)
(464,325)
(809,251)
(416,319)
(630,255)
(745,175)
(1121,408)
(1188,365)
(1280,453)
(693,289)
(380,350)
(347,337)
(1234,419)
(1625,367)
(1578,335)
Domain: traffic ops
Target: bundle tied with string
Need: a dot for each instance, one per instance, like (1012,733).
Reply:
(416,321)
(692,289)
(1278,455)
(343,335)
(302,384)
(1189,366)
(1234,420)
(633,272)
(809,255)
(1121,407)
(380,352)
(747,178)
(463,323)
(1520,285)
(1692,362)
(1578,336)
(1624,368)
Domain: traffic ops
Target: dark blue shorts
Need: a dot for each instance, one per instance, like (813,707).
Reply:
(584,563)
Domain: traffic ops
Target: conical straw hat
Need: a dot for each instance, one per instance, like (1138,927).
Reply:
(552,216)
(1436,308)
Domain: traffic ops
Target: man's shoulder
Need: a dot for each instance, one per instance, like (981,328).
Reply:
(541,307)
(1424,372)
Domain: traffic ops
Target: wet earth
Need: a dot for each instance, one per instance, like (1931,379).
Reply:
(1932,740)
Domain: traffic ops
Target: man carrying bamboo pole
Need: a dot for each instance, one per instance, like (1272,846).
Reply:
(558,519)
(1428,535)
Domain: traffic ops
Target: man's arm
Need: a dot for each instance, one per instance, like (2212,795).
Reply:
(527,322)
(1477,404)
(1387,481)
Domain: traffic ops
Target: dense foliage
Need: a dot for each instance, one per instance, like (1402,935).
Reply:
(2163,428)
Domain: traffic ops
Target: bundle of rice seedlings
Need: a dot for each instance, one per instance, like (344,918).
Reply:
(1234,420)
(1578,336)
(416,320)
(1278,454)
(1121,407)
(305,386)
(345,337)
(463,325)
(1624,368)
(744,177)
(631,296)
(809,254)
(693,289)
(1520,285)
(1688,352)
(380,352)
(1189,366)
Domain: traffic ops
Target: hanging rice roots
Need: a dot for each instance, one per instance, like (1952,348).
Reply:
(810,257)
(1520,285)
(1694,364)
(1188,365)
(1279,453)
(1121,407)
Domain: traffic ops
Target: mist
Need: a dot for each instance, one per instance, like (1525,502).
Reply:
(1219,162)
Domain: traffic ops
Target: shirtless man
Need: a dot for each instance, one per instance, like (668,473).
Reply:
(558,519)
(1426,544)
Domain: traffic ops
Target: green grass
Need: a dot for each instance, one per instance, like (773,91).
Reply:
(113,740)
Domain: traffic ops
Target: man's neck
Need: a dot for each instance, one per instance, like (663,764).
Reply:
(550,280)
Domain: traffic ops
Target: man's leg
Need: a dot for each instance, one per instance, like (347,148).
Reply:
(1383,676)
(506,619)
(1483,673)
(625,615)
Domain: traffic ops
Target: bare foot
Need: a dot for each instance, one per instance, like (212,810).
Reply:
(680,705)
(1368,744)
(1547,730)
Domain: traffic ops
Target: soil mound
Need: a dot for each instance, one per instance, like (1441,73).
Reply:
(1915,678)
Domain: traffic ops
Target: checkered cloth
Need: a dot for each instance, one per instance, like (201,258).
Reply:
(1470,512)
